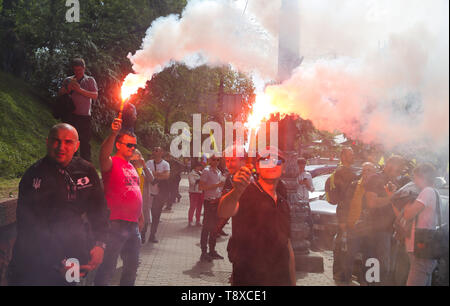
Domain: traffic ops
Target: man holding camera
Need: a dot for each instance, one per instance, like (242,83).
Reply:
(304,181)
(379,191)
(82,89)
(260,247)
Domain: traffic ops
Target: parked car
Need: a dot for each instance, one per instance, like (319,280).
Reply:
(317,170)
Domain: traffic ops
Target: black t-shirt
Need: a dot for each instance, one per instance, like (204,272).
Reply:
(260,234)
(381,218)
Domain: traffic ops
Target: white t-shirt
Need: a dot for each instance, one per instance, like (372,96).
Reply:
(211,177)
(194,178)
(427,218)
(162,166)
(303,190)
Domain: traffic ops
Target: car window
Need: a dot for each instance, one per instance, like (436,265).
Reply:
(319,182)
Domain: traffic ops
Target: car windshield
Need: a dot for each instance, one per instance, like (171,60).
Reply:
(319,182)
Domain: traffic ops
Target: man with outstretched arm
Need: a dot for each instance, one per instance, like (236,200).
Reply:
(260,248)
(123,194)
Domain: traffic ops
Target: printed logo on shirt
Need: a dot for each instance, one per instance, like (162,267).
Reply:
(83,183)
(37,183)
(131,180)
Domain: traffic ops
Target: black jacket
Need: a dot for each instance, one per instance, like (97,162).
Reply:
(61,213)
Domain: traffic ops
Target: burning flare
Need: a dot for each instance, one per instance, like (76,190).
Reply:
(261,110)
(131,85)
(266,104)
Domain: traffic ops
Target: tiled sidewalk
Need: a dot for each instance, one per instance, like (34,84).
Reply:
(174,261)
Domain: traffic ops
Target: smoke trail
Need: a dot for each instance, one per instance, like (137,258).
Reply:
(395,94)
(374,69)
(217,30)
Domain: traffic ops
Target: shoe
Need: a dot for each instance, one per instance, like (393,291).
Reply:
(189,224)
(143,238)
(198,224)
(215,255)
(205,257)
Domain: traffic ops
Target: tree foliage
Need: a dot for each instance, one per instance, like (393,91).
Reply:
(38,44)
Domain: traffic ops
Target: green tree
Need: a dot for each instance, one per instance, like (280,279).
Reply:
(39,43)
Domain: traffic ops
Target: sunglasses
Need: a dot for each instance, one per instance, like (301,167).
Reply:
(130,145)
(273,161)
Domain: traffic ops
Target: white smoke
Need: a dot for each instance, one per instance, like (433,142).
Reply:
(217,30)
(377,70)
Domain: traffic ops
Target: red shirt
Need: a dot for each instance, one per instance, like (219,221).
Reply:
(122,191)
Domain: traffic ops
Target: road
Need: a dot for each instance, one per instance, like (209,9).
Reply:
(174,261)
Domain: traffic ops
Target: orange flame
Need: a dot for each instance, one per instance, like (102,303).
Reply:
(131,85)
(262,109)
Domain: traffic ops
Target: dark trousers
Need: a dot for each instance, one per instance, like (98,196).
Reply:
(220,225)
(174,191)
(210,219)
(157,205)
(338,258)
(246,274)
(83,126)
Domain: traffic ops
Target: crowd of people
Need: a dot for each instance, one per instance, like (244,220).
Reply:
(376,226)
(64,211)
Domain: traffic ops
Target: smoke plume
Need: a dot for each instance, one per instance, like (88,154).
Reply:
(377,70)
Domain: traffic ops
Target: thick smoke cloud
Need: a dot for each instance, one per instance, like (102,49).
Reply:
(377,70)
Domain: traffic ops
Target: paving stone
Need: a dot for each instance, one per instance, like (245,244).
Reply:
(174,261)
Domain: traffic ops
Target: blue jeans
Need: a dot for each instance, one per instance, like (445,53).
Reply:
(125,240)
(420,271)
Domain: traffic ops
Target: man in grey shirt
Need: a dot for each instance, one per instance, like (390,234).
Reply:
(82,89)
(305,184)
(211,183)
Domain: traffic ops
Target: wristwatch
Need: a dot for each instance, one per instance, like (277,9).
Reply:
(101,244)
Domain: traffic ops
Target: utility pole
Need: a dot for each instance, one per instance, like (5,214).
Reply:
(288,59)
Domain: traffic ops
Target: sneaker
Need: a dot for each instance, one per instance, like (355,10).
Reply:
(198,224)
(189,224)
(143,238)
(205,257)
(215,255)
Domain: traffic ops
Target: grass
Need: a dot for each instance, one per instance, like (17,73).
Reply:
(9,188)
(25,120)
(24,124)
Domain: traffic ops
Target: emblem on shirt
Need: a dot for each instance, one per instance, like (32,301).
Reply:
(83,183)
(37,183)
